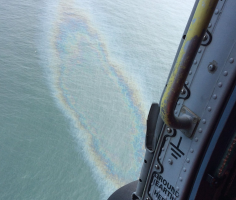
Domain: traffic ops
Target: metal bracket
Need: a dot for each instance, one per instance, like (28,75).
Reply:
(190,131)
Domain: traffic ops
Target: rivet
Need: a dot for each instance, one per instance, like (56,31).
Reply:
(178,103)
(147,199)
(190,72)
(177,188)
(195,62)
(209,109)
(170,161)
(200,130)
(157,167)
(220,84)
(187,160)
(169,130)
(196,139)
(225,73)
(180,178)
(209,26)
(216,11)
(183,91)
(163,149)
(211,67)
(186,82)
(203,121)
(214,96)
(205,37)
(158,190)
(231,60)
(191,150)
(176,111)
(174,197)
(199,51)
(165,197)
(159,157)
(184,169)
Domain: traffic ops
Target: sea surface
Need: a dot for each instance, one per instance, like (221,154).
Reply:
(77,79)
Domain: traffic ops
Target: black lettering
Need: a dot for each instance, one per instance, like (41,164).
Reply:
(161,187)
(155,193)
(164,181)
(156,183)
(169,193)
(160,197)
(164,190)
(172,190)
(172,197)
(168,185)
(160,178)
(176,194)
(153,182)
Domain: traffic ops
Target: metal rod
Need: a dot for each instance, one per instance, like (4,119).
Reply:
(195,34)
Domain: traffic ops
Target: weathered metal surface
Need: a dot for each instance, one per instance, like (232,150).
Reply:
(193,39)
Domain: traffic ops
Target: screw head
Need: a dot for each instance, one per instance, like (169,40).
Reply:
(170,161)
(231,60)
(157,167)
(211,67)
(205,37)
(216,11)
(209,26)
(187,160)
(203,121)
(220,84)
(183,91)
(169,130)
(225,73)
(214,96)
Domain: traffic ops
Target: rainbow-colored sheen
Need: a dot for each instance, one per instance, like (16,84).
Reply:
(95,93)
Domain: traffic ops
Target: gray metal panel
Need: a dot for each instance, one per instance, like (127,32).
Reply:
(209,91)
(223,39)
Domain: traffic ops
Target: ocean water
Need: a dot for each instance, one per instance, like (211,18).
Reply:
(76,83)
